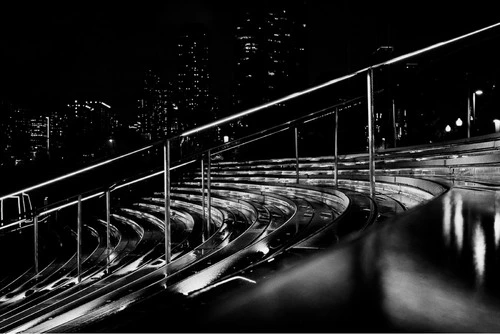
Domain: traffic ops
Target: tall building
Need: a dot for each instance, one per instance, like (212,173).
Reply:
(15,134)
(270,53)
(193,75)
(152,108)
(39,129)
(89,130)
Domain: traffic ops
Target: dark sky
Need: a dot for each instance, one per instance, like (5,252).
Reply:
(52,52)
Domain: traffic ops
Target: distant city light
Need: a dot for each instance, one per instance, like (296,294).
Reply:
(478,92)
(447,128)
(459,122)
(226,139)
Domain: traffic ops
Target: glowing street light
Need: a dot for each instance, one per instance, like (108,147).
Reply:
(459,122)
(471,111)
(447,128)
(497,125)
(476,93)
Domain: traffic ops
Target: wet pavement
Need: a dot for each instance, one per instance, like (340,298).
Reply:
(432,268)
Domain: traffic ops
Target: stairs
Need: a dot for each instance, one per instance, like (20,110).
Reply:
(259,215)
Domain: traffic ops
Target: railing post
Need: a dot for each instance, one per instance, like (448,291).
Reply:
(79,239)
(35,241)
(297,154)
(209,195)
(336,134)
(394,130)
(108,232)
(469,113)
(371,134)
(203,189)
(166,184)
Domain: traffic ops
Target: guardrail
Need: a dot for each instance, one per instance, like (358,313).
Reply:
(205,157)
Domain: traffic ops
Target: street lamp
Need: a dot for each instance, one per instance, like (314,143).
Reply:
(447,128)
(471,109)
(477,92)
(459,122)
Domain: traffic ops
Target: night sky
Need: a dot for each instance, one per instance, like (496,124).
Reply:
(52,53)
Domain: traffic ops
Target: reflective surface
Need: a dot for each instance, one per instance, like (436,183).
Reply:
(433,268)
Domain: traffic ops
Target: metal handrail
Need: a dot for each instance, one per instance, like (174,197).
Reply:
(255,109)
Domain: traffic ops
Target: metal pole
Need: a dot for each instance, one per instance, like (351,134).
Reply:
(209,187)
(79,239)
(371,134)
(297,153)
(108,232)
(468,115)
(336,147)
(166,184)
(394,130)
(35,246)
(203,185)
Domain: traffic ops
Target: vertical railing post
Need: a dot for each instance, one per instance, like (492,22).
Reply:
(371,134)
(297,154)
(336,136)
(469,106)
(203,194)
(35,241)
(108,231)
(209,195)
(166,184)
(79,239)
(394,130)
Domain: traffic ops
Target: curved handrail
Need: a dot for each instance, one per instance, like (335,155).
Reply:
(257,108)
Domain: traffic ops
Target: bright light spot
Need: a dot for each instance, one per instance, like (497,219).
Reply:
(478,92)
(111,141)
(458,221)
(226,139)
(447,220)
(447,128)
(459,122)
(497,125)
(479,249)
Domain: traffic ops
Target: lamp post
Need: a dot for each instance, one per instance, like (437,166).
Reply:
(477,92)
(471,110)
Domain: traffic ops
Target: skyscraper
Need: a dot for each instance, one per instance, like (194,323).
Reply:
(270,53)
(90,126)
(38,136)
(193,75)
(152,108)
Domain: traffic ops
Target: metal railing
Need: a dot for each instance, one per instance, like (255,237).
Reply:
(205,157)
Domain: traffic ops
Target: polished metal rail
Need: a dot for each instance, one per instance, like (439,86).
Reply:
(166,143)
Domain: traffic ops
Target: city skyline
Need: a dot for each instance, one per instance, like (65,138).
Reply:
(54,54)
